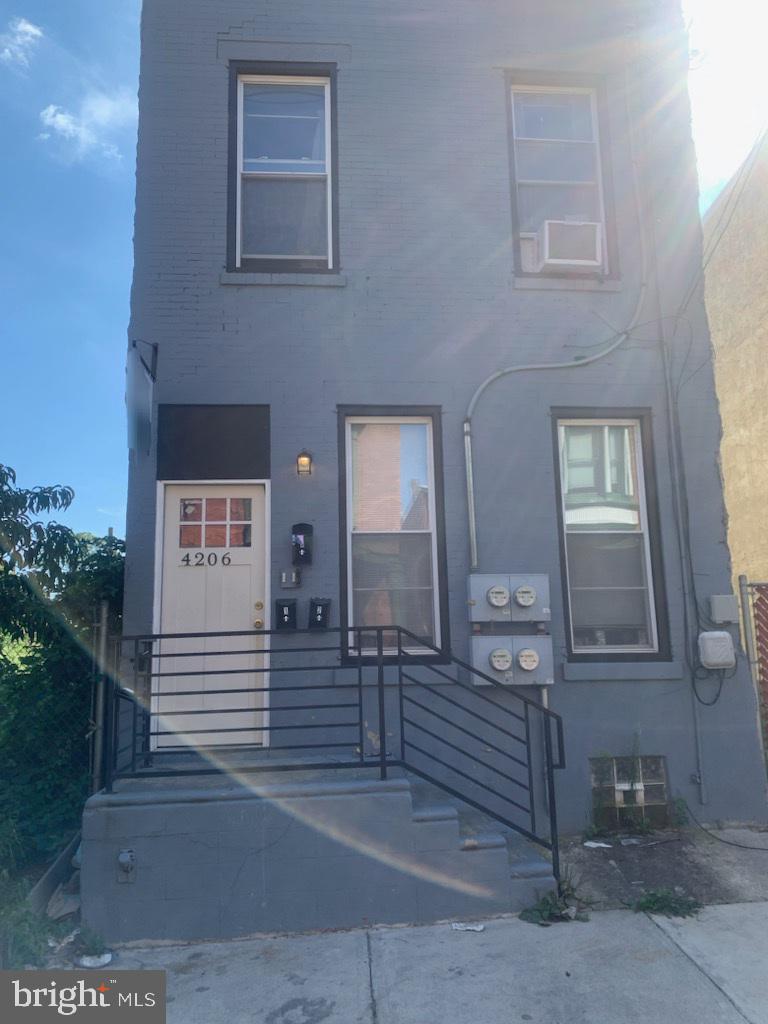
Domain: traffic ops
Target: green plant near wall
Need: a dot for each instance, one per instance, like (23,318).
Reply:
(602,778)
(51,583)
(670,902)
(45,695)
(564,904)
(24,935)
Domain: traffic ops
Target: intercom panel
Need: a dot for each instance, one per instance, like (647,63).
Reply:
(509,597)
(514,660)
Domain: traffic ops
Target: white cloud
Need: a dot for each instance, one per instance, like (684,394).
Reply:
(96,127)
(18,42)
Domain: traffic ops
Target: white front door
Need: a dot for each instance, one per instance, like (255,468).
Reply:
(213,582)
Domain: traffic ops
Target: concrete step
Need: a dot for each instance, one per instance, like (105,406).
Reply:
(479,831)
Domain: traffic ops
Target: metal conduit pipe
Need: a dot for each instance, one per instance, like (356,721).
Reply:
(526,368)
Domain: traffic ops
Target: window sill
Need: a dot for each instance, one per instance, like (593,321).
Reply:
(574,284)
(621,671)
(293,280)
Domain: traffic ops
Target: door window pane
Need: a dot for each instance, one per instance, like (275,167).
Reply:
(216,536)
(216,510)
(190,536)
(240,510)
(390,482)
(191,510)
(240,536)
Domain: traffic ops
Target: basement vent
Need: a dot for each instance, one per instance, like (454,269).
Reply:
(629,791)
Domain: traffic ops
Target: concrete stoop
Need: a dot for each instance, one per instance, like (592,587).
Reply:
(221,860)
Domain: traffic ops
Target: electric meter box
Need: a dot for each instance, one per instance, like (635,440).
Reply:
(508,597)
(514,660)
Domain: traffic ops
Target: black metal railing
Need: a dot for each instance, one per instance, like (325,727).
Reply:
(382,697)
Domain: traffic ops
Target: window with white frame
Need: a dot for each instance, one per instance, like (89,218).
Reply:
(607,546)
(391,537)
(558,180)
(284,194)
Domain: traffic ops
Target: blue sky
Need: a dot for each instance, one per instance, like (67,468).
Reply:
(68,74)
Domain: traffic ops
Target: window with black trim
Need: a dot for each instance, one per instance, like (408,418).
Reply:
(282,209)
(558,181)
(392,530)
(606,532)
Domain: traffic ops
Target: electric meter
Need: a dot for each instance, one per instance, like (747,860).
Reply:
(498,596)
(500,659)
(525,596)
(528,659)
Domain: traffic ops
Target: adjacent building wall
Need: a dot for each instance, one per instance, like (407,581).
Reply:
(736,232)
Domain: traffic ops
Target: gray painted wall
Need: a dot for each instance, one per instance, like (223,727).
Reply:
(427,305)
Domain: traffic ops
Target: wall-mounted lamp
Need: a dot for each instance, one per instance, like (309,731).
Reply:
(304,463)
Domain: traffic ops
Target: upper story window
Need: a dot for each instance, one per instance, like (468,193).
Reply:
(284,217)
(558,181)
(604,518)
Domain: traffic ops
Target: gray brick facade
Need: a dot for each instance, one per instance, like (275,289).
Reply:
(426,305)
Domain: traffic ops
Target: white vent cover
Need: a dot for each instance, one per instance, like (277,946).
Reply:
(565,243)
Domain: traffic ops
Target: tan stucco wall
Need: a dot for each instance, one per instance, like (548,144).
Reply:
(737,305)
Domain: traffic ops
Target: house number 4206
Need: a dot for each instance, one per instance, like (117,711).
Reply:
(200,558)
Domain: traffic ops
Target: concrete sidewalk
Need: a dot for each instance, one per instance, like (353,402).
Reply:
(620,967)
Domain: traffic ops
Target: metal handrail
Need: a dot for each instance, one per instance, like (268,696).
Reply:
(133,723)
(548,718)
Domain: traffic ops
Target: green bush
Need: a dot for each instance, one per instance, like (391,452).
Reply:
(24,934)
(45,695)
(51,584)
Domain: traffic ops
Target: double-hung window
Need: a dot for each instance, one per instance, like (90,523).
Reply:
(558,181)
(604,510)
(283,216)
(392,564)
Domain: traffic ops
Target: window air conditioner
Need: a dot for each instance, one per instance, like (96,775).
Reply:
(567,244)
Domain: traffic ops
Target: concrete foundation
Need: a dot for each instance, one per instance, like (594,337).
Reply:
(223,859)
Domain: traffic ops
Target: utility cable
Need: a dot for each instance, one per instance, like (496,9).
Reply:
(727,842)
(696,678)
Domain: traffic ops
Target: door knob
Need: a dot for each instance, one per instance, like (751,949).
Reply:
(258,623)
